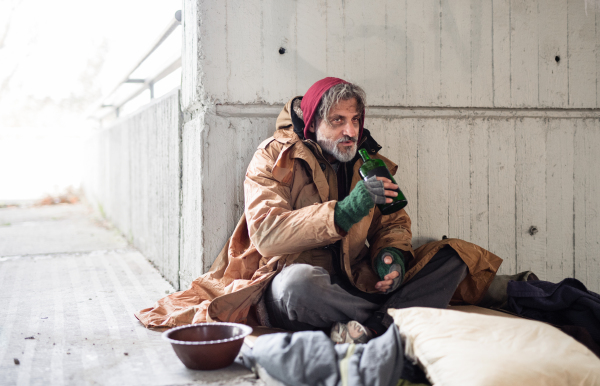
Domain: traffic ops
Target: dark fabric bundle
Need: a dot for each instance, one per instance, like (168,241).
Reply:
(568,303)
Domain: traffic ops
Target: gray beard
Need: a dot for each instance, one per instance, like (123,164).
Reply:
(331,147)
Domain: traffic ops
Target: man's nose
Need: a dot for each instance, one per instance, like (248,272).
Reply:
(350,130)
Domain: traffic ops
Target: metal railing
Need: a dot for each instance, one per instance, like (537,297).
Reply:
(98,110)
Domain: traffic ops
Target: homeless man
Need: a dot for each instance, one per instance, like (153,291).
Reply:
(312,250)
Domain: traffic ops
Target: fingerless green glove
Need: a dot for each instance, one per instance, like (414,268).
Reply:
(353,208)
(397,264)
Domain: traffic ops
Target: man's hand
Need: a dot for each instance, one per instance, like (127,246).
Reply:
(390,268)
(388,280)
(390,189)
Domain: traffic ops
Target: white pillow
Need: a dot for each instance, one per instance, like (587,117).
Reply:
(465,349)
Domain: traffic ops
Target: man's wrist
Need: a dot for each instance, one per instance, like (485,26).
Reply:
(353,208)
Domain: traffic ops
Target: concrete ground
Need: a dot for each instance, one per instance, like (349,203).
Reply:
(69,285)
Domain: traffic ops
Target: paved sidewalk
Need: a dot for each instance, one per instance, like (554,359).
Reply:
(68,290)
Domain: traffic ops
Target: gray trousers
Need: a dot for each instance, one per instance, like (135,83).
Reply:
(304,297)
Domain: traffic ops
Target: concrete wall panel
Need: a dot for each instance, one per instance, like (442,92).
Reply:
(416,53)
(587,203)
(135,180)
(217,150)
(192,219)
(582,42)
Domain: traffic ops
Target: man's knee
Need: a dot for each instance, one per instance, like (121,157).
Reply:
(299,281)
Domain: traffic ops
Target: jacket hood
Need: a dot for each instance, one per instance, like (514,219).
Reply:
(284,120)
(289,122)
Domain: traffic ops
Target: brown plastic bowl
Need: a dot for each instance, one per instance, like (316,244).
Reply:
(207,346)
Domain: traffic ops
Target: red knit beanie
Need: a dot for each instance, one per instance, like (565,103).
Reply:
(311,100)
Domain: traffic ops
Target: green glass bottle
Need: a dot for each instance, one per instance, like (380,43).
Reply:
(376,167)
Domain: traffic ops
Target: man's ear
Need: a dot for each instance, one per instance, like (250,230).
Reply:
(311,128)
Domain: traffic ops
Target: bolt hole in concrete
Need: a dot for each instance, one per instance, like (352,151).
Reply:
(557,58)
(281,50)
(533,230)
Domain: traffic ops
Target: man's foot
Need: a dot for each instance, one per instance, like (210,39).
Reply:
(496,295)
(351,332)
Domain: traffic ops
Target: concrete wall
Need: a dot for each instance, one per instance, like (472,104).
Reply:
(134,179)
(490,108)
(405,53)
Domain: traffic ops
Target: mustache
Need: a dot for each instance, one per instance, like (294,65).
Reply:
(346,138)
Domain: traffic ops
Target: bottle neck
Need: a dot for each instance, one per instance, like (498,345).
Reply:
(364,155)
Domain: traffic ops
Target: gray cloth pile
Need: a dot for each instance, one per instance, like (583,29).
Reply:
(310,358)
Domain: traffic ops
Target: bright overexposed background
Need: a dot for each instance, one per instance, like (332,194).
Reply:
(58,58)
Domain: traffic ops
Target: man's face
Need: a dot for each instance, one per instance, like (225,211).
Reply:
(339,138)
